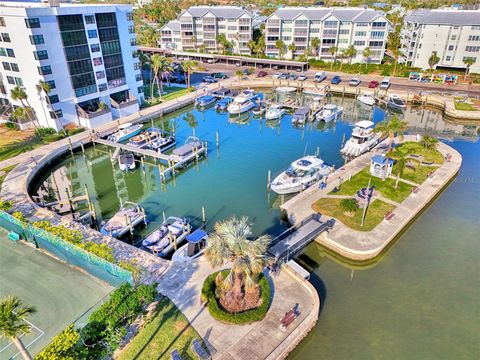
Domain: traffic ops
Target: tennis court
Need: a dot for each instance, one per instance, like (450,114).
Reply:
(61,294)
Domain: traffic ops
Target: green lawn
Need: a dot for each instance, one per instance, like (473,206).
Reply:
(414,148)
(167,330)
(6,171)
(386,188)
(375,213)
(417,175)
(169,92)
(465,106)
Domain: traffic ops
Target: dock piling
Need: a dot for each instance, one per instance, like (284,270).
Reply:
(269,177)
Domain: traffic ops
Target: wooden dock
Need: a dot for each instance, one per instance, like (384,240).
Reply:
(134,149)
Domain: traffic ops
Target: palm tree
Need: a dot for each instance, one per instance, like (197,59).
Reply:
(18,93)
(144,63)
(429,142)
(222,41)
(252,45)
(343,54)
(349,206)
(391,128)
(280,45)
(165,70)
(333,51)
(292,48)
(13,325)
(44,87)
(260,48)
(394,44)
(400,164)
(155,62)
(230,243)
(191,121)
(469,61)
(315,43)
(366,53)
(188,66)
(350,53)
(239,74)
(19,115)
(433,60)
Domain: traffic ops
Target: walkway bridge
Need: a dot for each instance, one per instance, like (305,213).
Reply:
(297,237)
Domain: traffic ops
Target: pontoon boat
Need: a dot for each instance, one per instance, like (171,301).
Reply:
(192,145)
(126,219)
(301,116)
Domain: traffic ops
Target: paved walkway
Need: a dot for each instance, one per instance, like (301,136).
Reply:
(358,245)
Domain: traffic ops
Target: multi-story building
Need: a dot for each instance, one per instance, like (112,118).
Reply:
(454,35)
(199,26)
(86,53)
(339,27)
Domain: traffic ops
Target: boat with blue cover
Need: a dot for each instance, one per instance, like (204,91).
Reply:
(196,244)
(205,100)
(222,104)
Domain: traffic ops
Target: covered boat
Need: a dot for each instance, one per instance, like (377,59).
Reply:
(223,92)
(125,132)
(396,102)
(205,100)
(259,110)
(274,112)
(300,175)
(164,239)
(329,112)
(363,139)
(192,145)
(125,220)
(126,161)
(194,248)
(222,104)
(301,116)
(366,100)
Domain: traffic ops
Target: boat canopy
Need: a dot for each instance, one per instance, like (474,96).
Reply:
(225,100)
(330,106)
(306,163)
(125,126)
(196,236)
(206,98)
(364,124)
(302,111)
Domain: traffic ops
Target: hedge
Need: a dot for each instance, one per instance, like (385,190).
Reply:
(246,317)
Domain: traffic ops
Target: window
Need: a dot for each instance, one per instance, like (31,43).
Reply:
(133,42)
(470,38)
(361,33)
(51,84)
(2,22)
(469,57)
(32,23)
(40,55)
(314,30)
(53,99)
(342,41)
(92,34)
(97,61)
(11,80)
(135,54)
(131,29)
(14,67)
(37,39)
(472,49)
(136,66)
(377,34)
(448,58)
(95,47)
(10,53)
(3,52)
(474,27)
(138,77)
(129,16)
(140,89)
(362,24)
(89,19)
(451,47)
(454,37)
(359,43)
(379,24)
(330,24)
(44,70)
(100,75)
(102,87)
(344,32)
(56,114)
(14,80)
(6,65)
(301,23)
(286,38)
(5,37)
(375,44)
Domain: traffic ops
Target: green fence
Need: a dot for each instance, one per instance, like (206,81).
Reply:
(96,266)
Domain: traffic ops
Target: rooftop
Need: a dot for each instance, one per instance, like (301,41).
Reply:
(444,17)
(320,13)
(218,11)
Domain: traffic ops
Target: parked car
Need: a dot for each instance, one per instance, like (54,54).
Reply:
(385,84)
(298,69)
(212,61)
(275,67)
(247,72)
(262,73)
(354,81)
(260,66)
(292,77)
(336,80)
(373,84)
(218,75)
(209,79)
(302,77)
(320,76)
(238,64)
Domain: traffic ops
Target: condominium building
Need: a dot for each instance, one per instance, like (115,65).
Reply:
(86,53)
(454,35)
(339,27)
(199,26)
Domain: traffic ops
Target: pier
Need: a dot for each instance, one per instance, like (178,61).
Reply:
(135,150)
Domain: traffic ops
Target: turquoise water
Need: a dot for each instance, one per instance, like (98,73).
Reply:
(420,301)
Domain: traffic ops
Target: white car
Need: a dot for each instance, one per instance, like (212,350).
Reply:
(385,84)
(320,76)
(302,77)
(277,75)
(355,81)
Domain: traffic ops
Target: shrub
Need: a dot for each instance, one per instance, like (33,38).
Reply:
(19,216)
(5,205)
(101,250)
(246,317)
(45,132)
(63,346)
(70,235)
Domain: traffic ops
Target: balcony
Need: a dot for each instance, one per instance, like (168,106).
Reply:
(91,114)
(123,104)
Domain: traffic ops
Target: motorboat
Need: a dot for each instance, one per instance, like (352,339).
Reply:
(286,89)
(125,132)
(243,102)
(153,138)
(125,220)
(259,110)
(164,142)
(363,139)
(329,112)
(274,112)
(126,161)
(300,175)
(366,100)
(205,100)
(301,116)
(194,248)
(396,102)
(165,238)
(192,146)
(222,104)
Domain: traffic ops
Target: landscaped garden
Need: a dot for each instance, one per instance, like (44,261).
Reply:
(466,104)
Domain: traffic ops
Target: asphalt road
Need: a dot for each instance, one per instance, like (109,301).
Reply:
(397,83)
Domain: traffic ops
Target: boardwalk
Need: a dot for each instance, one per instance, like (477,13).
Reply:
(133,149)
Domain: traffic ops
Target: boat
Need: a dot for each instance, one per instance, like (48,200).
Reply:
(301,116)
(125,220)
(363,139)
(126,161)
(125,132)
(222,104)
(316,106)
(205,100)
(243,102)
(301,174)
(274,112)
(194,248)
(316,91)
(164,142)
(170,234)
(329,112)
(366,100)
(259,110)
(396,102)
(153,138)
(192,146)
(286,89)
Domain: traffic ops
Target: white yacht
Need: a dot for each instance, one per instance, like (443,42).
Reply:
(170,234)
(301,174)
(396,102)
(125,132)
(243,102)
(274,112)
(329,112)
(363,139)
(366,100)
(194,248)
(126,161)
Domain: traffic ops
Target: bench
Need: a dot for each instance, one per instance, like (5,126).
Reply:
(175,355)
(12,235)
(389,215)
(415,190)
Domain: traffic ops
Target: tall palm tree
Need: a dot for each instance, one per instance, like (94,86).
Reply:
(433,60)
(191,121)
(342,55)
(12,322)
(280,45)
(391,128)
(19,115)
(429,142)
(333,51)
(165,70)
(292,47)
(400,165)
(315,43)
(366,53)
(350,53)
(230,243)
(468,61)
(155,63)
(18,93)
(44,87)
(222,41)
(188,66)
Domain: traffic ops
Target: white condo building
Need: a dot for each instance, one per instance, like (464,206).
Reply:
(86,53)
(340,27)
(201,25)
(453,35)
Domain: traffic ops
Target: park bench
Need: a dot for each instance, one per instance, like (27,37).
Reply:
(415,190)
(199,351)
(389,215)
(175,355)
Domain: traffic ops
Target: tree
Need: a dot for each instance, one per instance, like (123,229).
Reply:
(280,45)
(191,121)
(350,53)
(429,142)
(333,52)
(223,42)
(292,48)
(147,36)
(315,43)
(468,61)
(13,316)
(391,128)
(231,244)
(44,87)
(260,48)
(343,54)
(19,115)
(144,64)
(349,206)
(155,62)
(252,46)
(202,48)
(393,45)
(366,53)
(188,66)
(433,60)
(18,93)
(400,164)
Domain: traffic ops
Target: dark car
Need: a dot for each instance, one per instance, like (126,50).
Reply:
(336,80)
(218,75)
(262,73)
(373,84)
(292,77)
(209,79)
(247,71)
(178,78)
